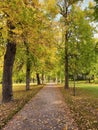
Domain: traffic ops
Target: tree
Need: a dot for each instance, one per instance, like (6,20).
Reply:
(65,12)
(10,53)
(78,35)
(15,15)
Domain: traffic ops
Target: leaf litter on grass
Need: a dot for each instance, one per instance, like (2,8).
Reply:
(83,108)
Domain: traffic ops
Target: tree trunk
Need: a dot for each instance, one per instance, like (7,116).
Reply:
(7,93)
(66,74)
(89,80)
(65,15)
(28,75)
(56,80)
(38,79)
(60,78)
(74,88)
(66,63)
(33,80)
(42,77)
(28,66)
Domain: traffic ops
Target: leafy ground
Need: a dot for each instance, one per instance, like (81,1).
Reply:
(84,105)
(21,97)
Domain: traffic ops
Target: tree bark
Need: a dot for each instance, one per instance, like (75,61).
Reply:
(65,15)
(60,78)
(33,80)
(56,80)
(38,79)
(7,93)
(42,77)
(28,75)
(66,74)
(28,67)
(89,80)
(66,63)
(74,88)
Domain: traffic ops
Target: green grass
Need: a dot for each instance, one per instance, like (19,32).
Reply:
(86,89)
(21,97)
(84,106)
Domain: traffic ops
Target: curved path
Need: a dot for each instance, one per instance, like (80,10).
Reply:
(46,111)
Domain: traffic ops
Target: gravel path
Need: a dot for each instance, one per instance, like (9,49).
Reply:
(46,111)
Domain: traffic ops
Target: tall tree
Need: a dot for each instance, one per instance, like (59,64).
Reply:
(65,12)
(78,34)
(16,15)
(10,53)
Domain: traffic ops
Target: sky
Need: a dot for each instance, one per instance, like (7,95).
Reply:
(86,2)
(84,5)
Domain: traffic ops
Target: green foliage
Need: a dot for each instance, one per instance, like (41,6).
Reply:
(96,10)
(81,53)
(40,40)
(34,24)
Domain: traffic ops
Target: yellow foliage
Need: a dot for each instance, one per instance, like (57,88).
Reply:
(91,4)
(51,3)
(17,31)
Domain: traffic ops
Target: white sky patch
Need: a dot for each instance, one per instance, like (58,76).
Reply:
(95,25)
(86,3)
(96,35)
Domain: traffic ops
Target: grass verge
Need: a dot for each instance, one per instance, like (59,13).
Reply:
(21,97)
(84,106)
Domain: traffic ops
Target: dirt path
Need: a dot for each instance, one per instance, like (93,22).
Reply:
(46,111)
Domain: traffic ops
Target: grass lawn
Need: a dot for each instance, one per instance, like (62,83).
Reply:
(84,106)
(21,97)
